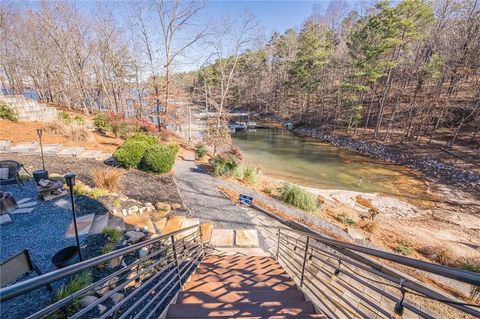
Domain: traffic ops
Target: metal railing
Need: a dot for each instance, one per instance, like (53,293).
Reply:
(150,274)
(346,281)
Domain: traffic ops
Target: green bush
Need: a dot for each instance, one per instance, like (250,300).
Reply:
(101,123)
(223,165)
(79,120)
(83,190)
(142,137)
(114,235)
(65,117)
(79,281)
(345,219)
(248,174)
(159,158)
(298,197)
(200,150)
(7,113)
(130,154)
(404,249)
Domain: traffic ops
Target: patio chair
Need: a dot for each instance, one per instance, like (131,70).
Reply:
(14,168)
(16,267)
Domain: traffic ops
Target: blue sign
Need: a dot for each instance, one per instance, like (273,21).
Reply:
(247,200)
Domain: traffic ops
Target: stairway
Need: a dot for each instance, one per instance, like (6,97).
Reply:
(29,109)
(241,287)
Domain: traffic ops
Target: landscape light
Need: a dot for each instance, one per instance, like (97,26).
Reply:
(70,180)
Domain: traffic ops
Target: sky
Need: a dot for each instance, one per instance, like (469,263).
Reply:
(273,15)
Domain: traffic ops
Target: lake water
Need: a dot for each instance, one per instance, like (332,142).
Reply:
(305,161)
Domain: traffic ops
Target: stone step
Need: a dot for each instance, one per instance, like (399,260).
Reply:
(84,223)
(246,238)
(222,238)
(90,154)
(24,147)
(50,149)
(98,224)
(187,223)
(71,151)
(5,145)
(143,222)
(223,310)
(117,223)
(238,296)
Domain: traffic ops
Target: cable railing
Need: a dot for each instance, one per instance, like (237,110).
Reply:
(151,273)
(347,281)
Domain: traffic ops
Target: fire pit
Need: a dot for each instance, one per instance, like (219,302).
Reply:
(7,202)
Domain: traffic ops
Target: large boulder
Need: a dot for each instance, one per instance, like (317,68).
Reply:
(134,236)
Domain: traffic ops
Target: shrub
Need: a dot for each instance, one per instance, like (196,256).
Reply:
(79,120)
(298,197)
(84,190)
(248,174)
(65,117)
(224,165)
(345,219)
(159,158)
(471,264)
(113,235)
(108,178)
(403,249)
(439,254)
(79,281)
(147,138)
(130,154)
(7,113)
(200,150)
(101,123)
(78,133)
(57,128)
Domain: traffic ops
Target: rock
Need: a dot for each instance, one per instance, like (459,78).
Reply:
(164,207)
(142,210)
(176,206)
(115,262)
(133,210)
(134,236)
(124,212)
(116,297)
(87,300)
(105,288)
(142,252)
(148,204)
(356,234)
(101,308)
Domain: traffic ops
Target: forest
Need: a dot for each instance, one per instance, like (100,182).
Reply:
(395,71)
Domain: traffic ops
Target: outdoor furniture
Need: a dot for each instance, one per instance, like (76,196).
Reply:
(14,168)
(16,267)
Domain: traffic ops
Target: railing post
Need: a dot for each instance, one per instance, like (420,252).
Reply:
(278,242)
(304,261)
(201,240)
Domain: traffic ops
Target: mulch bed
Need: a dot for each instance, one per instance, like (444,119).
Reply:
(138,185)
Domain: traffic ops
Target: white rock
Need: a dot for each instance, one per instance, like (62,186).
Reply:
(101,308)
(124,212)
(133,210)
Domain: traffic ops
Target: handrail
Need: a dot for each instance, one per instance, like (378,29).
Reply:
(445,271)
(22,287)
(334,250)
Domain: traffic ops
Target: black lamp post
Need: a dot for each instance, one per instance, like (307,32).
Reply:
(40,132)
(70,179)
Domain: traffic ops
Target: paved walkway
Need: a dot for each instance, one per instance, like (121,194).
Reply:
(204,200)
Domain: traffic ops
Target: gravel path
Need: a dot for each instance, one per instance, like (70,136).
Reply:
(204,200)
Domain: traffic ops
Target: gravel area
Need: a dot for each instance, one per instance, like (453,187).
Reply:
(42,232)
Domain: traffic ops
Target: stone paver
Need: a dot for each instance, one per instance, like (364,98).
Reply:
(206,229)
(90,154)
(116,222)
(24,147)
(50,149)
(98,224)
(5,219)
(174,223)
(27,210)
(83,225)
(27,204)
(222,238)
(23,200)
(160,224)
(246,237)
(71,151)
(187,223)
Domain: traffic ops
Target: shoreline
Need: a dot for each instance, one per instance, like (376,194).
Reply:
(439,172)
